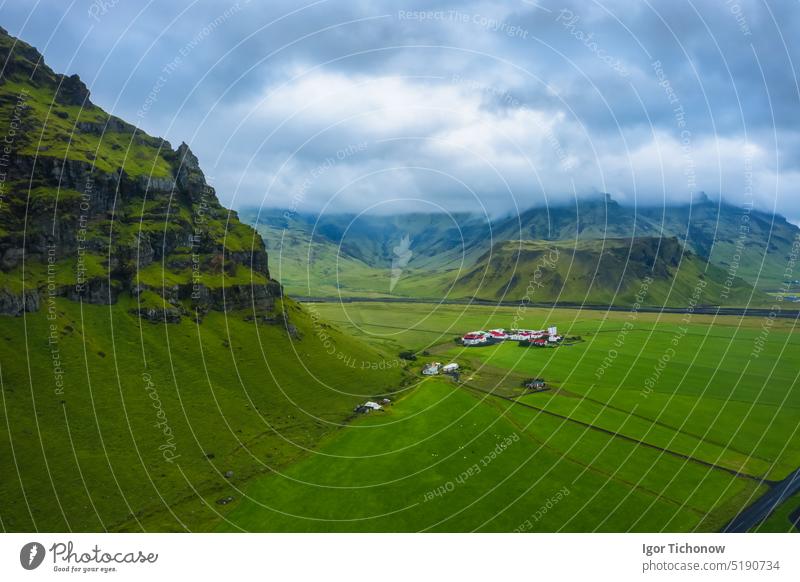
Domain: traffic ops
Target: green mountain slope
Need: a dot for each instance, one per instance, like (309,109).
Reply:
(316,258)
(751,244)
(373,256)
(93,208)
(149,364)
(649,271)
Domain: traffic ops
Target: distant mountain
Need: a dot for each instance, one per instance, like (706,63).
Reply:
(354,255)
(752,244)
(647,270)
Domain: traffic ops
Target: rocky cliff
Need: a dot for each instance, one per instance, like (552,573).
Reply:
(92,208)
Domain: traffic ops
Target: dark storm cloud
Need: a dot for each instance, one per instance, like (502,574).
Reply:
(516,102)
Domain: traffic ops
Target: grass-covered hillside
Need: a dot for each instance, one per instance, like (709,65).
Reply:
(93,208)
(149,364)
(349,255)
(648,271)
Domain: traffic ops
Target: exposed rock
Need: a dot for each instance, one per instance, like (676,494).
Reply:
(72,91)
(159,315)
(58,210)
(189,177)
(114,124)
(97,290)
(18,303)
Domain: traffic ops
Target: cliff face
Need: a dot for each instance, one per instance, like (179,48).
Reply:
(91,208)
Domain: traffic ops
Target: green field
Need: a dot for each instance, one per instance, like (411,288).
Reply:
(156,376)
(686,454)
(81,447)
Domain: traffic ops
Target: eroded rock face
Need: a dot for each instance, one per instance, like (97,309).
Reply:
(19,303)
(160,315)
(97,291)
(111,218)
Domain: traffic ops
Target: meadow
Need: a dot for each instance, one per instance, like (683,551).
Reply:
(109,422)
(653,422)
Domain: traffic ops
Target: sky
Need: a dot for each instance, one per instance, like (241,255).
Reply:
(479,106)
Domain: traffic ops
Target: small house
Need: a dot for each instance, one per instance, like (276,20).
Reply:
(432,369)
(498,335)
(475,338)
(536,384)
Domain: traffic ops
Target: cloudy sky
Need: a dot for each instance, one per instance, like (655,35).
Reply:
(384,105)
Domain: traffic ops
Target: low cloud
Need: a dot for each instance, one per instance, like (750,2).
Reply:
(464,105)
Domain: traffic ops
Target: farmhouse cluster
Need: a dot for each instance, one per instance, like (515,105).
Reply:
(435,368)
(534,337)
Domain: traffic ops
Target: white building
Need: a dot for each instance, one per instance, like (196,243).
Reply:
(450,368)
(475,338)
(432,369)
(498,334)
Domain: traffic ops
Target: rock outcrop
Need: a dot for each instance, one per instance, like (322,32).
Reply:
(97,209)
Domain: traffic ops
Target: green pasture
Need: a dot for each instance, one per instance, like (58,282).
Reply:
(235,396)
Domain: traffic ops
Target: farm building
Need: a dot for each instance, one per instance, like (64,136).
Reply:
(450,368)
(476,338)
(498,335)
(432,369)
(535,384)
(368,407)
(529,336)
(525,334)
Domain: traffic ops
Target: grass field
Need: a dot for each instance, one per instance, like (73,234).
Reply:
(134,425)
(677,446)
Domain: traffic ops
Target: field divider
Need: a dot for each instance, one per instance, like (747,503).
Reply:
(624,437)
(568,394)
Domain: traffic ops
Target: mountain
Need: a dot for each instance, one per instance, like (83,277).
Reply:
(752,244)
(645,270)
(94,208)
(320,256)
(356,254)
(150,365)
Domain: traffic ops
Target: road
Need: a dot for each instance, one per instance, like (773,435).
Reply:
(765,505)
(699,310)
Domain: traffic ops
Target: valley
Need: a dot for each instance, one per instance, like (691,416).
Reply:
(685,447)
(168,364)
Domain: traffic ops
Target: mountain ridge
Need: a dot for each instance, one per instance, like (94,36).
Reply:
(93,208)
(736,240)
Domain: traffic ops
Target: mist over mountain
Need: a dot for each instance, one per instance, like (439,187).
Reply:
(357,115)
(351,253)
(750,244)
